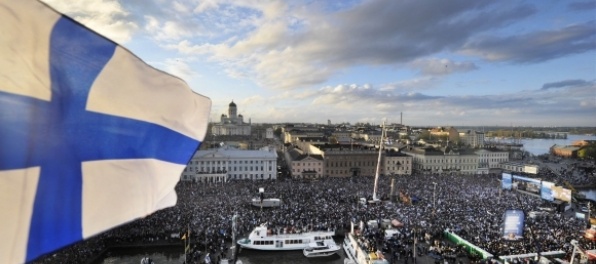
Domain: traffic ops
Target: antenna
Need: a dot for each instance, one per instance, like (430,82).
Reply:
(379,162)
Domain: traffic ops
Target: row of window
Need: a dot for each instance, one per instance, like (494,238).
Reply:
(435,168)
(397,168)
(270,242)
(246,176)
(222,169)
(398,162)
(232,176)
(305,164)
(349,163)
(446,161)
(495,160)
(264,242)
(209,162)
(495,155)
(300,170)
(347,172)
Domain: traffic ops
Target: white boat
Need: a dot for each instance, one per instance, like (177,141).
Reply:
(320,249)
(355,247)
(146,260)
(264,238)
(268,202)
(227,261)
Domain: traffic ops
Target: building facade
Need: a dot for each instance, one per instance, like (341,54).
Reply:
(231,124)
(490,159)
(223,164)
(564,151)
(347,161)
(397,163)
(440,161)
(306,166)
(520,167)
(451,133)
(472,138)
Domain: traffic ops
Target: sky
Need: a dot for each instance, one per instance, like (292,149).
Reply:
(437,63)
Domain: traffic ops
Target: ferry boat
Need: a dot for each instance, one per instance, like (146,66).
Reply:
(146,260)
(268,202)
(263,238)
(320,249)
(356,251)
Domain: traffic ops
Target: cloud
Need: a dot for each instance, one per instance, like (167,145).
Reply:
(365,103)
(442,66)
(589,5)
(179,68)
(566,83)
(313,43)
(354,95)
(206,5)
(107,17)
(535,46)
(167,30)
(411,85)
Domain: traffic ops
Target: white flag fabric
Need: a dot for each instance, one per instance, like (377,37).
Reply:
(91,137)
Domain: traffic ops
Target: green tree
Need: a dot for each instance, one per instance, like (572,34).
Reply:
(424,135)
(277,132)
(587,152)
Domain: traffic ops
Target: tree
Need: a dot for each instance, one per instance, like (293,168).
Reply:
(587,152)
(277,132)
(425,135)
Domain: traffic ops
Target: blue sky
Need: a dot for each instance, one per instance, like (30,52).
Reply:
(441,63)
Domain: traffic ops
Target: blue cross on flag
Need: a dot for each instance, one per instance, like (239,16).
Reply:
(91,137)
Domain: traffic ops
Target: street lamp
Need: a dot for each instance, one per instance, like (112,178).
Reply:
(434,198)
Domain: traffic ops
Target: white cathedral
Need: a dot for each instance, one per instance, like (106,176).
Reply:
(232,124)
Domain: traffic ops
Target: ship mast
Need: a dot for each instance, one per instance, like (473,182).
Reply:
(379,162)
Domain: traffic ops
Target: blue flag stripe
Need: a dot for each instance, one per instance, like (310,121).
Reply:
(84,124)
(77,56)
(56,218)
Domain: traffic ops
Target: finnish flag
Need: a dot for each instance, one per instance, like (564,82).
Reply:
(91,137)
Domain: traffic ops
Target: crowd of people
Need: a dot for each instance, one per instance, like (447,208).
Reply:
(470,206)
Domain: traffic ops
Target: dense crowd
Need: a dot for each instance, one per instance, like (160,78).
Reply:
(470,206)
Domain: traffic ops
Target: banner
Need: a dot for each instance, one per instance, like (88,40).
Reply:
(506,181)
(513,225)
(546,191)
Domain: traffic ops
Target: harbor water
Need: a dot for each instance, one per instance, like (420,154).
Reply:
(171,256)
(538,146)
(247,257)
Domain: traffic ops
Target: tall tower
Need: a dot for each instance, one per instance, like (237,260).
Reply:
(401,116)
(232,111)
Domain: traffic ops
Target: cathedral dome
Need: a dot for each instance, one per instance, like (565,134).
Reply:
(232,104)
